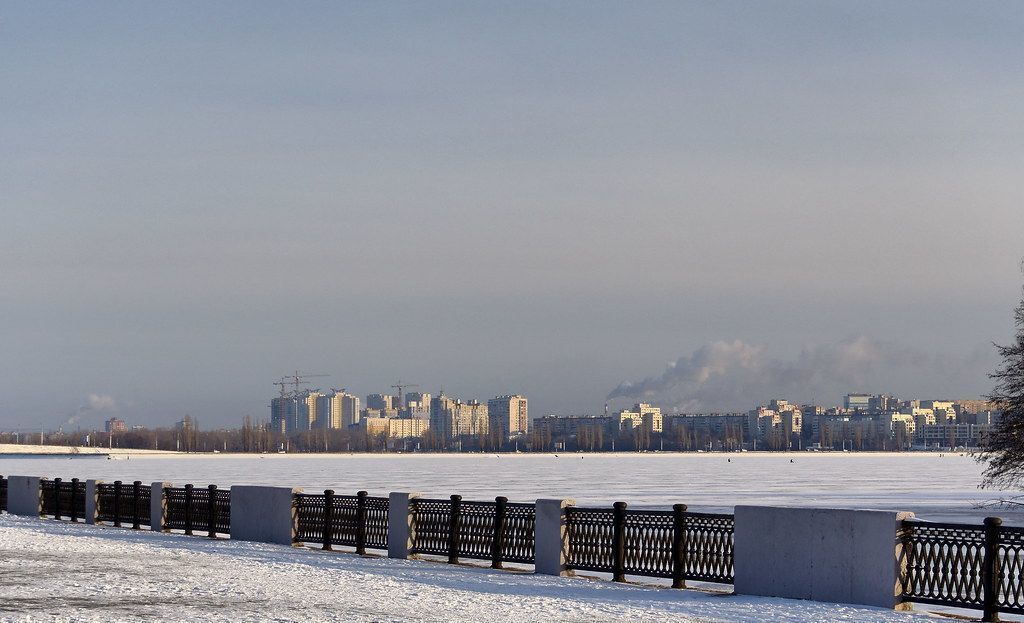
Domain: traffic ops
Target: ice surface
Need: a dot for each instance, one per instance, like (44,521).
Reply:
(937,487)
(62,572)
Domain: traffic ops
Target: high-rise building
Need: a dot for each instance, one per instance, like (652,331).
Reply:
(324,411)
(451,419)
(642,414)
(442,416)
(114,425)
(507,416)
(289,414)
(282,412)
(311,412)
(381,402)
(349,409)
(417,405)
(857,402)
(470,418)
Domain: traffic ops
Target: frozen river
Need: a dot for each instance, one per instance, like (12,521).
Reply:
(936,487)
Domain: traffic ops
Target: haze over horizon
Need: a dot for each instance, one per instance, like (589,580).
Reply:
(706,206)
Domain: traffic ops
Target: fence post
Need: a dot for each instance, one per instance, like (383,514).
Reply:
(361,522)
(401,524)
(453,530)
(328,519)
(74,500)
(619,542)
(92,500)
(551,537)
(679,546)
(188,509)
(56,498)
(136,495)
(211,513)
(158,506)
(117,503)
(990,572)
(498,540)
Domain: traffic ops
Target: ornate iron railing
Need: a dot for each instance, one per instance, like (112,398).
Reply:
(63,499)
(498,531)
(591,538)
(665,544)
(357,521)
(965,566)
(189,509)
(432,522)
(123,503)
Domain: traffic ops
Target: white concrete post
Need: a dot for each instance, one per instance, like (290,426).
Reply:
(157,506)
(263,514)
(401,529)
(24,496)
(91,499)
(551,537)
(833,555)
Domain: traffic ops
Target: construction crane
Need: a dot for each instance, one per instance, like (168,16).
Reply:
(283,383)
(399,385)
(297,380)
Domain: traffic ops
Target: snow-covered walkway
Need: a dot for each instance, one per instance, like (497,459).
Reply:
(56,571)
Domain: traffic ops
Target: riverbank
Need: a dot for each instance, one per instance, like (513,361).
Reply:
(22,449)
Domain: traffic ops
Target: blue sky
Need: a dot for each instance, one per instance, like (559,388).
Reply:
(499,197)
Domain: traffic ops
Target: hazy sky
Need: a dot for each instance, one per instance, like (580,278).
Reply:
(545,198)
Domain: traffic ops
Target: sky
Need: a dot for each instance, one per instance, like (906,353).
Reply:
(701,205)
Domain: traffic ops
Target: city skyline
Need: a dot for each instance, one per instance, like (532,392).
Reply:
(546,199)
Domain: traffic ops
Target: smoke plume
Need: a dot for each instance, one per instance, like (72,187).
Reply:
(724,376)
(94,403)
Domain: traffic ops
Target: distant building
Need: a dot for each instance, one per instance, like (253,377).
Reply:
(381,402)
(508,416)
(417,404)
(308,418)
(451,419)
(326,417)
(555,426)
(349,409)
(407,428)
(114,425)
(857,402)
(642,414)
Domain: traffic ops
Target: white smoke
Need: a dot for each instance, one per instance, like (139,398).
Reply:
(94,403)
(725,376)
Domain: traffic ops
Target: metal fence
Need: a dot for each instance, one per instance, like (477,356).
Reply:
(498,531)
(358,521)
(63,498)
(121,504)
(189,509)
(965,566)
(663,544)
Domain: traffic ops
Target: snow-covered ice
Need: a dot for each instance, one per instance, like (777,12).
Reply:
(935,486)
(57,571)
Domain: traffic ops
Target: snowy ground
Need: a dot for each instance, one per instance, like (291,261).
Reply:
(56,571)
(941,487)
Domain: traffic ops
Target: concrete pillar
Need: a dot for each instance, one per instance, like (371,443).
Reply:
(833,555)
(401,529)
(157,506)
(92,501)
(263,514)
(551,537)
(24,496)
